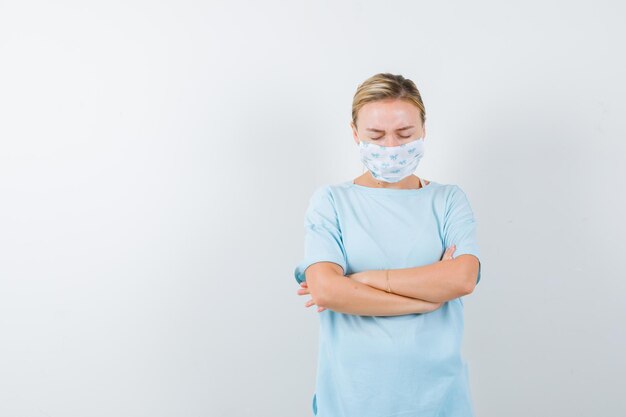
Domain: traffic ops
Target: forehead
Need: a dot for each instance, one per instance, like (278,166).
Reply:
(388,113)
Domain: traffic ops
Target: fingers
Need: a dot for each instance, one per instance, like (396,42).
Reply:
(448,253)
(305,290)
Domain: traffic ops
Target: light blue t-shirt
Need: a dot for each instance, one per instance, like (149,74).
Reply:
(389,366)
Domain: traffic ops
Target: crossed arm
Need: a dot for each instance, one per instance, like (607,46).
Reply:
(415,290)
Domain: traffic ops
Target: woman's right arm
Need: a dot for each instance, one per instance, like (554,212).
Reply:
(330,289)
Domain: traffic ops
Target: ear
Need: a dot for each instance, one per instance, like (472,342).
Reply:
(355,134)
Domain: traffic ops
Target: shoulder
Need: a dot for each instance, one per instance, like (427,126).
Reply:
(323,193)
(457,204)
(450,197)
(443,191)
(330,192)
(448,189)
(323,198)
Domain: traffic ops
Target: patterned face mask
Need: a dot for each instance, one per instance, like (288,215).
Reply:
(392,163)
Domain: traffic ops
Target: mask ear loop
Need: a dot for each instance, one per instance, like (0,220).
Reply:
(362,166)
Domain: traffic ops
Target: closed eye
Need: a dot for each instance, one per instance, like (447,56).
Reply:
(403,137)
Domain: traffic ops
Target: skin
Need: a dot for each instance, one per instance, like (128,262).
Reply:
(382,122)
(364,277)
(392,122)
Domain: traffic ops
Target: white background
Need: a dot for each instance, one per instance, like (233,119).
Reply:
(156,159)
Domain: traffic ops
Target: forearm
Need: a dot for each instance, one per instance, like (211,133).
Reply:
(352,297)
(438,282)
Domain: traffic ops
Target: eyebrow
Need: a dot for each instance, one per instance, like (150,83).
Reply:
(378,130)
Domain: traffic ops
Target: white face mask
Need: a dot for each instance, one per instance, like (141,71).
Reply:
(392,163)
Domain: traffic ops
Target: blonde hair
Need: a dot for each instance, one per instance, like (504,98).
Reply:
(384,86)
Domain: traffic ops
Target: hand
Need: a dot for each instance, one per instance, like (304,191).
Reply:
(447,255)
(304,291)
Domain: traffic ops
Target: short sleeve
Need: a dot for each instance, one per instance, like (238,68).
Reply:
(460,226)
(322,234)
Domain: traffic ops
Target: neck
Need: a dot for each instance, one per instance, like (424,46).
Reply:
(410,182)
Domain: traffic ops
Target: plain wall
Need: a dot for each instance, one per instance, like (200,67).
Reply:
(156,160)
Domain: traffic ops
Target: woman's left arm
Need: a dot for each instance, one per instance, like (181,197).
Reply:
(438,282)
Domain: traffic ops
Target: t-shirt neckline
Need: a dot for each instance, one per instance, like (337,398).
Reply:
(376,190)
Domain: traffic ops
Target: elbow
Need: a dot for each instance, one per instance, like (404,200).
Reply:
(322,296)
(321,301)
(320,279)
(470,284)
(317,293)
(325,292)
(470,275)
(470,281)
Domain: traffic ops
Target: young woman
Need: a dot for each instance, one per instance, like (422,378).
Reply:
(388,257)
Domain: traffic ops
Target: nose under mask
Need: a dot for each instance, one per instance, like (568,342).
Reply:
(392,163)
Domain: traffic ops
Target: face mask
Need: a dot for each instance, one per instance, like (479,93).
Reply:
(392,163)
